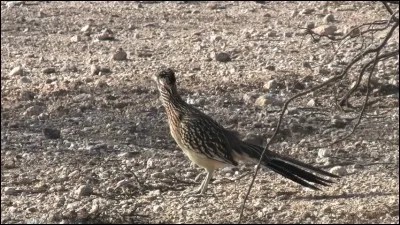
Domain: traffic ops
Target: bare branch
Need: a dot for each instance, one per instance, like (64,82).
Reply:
(356,59)
(346,97)
(387,7)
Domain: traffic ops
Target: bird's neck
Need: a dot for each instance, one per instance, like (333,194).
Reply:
(173,102)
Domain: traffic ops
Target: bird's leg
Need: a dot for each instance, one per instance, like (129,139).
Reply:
(206,181)
(203,187)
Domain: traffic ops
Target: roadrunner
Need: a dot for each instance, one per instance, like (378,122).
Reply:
(209,145)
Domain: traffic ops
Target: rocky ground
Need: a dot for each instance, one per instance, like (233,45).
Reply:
(84,137)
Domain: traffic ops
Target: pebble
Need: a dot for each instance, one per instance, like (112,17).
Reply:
(306,11)
(40,187)
(150,163)
(84,190)
(73,173)
(227,169)
(10,191)
(49,70)
(270,67)
(271,84)
(323,152)
(154,193)
(298,85)
(354,32)
(157,175)
(212,6)
(51,133)
(321,70)
(249,98)
(25,80)
(338,170)
(122,183)
(11,4)
(222,57)
(329,18)
(157,208)
(215,38)
(120,55)
(17,71)
(264,100)
(27,96)
(86,28)
(75,38)
(338,122)
(272,34)
(307,65)
(310,25)
(325,30)
(106,35)
(254,139)
(294,13)
(33,110)
(311,103)
(94,69)
(10,164)
(288,34)
(67,67)
(94,209)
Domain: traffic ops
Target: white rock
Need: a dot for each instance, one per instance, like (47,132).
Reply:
(157,208)
(16,71)
(311,103)
(157,175)
(75,38)
(94,209)
(294,13)
(10,191)
(338,170)
(119,55)
(227,169)
(94,69)
(74,173)
(307,11)
(325,30)
(329,18)
(150,163)
(215,38)
(33,110)
(264,100)
(323,152)
(84,190)
(85,28)
(271,84)
(154,193)
(11,4)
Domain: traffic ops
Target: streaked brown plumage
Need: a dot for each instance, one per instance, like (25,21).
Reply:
(211,146)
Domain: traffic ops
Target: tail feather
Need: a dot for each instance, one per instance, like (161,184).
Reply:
(289,168)
(292,177)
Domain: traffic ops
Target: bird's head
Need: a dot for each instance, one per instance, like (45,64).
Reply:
(165,79)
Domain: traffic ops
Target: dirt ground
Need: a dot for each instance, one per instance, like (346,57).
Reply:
(79,145)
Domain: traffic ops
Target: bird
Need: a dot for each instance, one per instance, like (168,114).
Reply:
(211,146)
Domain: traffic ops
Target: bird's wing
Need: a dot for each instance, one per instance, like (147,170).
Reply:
(207,137)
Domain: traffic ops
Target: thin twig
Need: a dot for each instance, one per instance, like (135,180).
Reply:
(346,97)
(335,78)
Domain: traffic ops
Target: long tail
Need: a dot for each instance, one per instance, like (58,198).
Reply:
(288,167)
